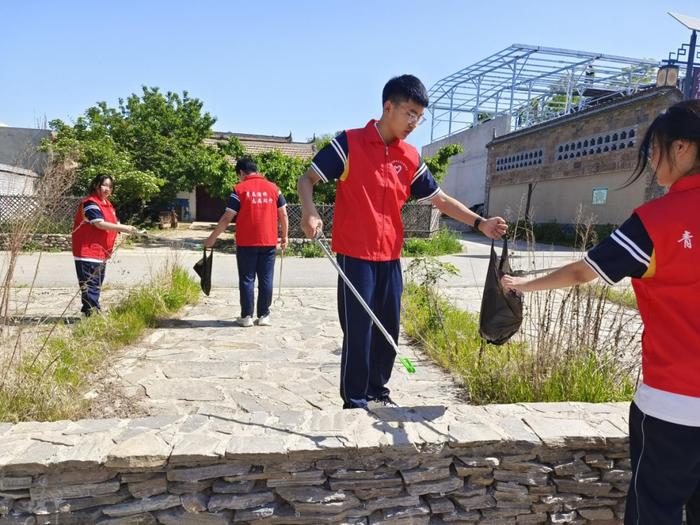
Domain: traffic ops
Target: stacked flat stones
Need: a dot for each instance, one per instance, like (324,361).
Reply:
(501,464)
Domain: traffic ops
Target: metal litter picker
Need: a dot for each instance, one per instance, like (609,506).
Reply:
(279,302)
(405,361)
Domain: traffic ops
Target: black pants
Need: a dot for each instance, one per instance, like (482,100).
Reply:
(90,278)
(252,261)
(367,357)
(665,472)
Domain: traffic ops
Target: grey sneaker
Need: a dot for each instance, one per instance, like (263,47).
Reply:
(246,321)
(263,321)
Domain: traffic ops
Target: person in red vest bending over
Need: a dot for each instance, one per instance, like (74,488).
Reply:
(659,248)
(95,229)
(257,205)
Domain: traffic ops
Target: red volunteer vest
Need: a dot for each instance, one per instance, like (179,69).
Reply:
(256,223)
(370,194)
(669,300)
(89,242)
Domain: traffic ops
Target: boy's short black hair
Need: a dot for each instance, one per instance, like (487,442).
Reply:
(246,165)
(404,88)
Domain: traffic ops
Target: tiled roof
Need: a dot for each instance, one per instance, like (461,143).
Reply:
(255,144)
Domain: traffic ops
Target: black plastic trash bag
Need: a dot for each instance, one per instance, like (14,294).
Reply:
(203,269)
(501,310)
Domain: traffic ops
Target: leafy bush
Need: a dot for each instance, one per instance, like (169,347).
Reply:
(306,248)
(444,243)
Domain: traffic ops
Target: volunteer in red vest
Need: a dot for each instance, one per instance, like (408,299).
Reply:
(95,229)
(376,172)
(259,208)
(659,248)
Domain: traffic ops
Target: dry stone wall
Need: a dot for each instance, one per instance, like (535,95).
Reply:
(41,241)
(499,464)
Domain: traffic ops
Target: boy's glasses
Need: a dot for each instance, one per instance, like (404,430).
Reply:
(415,118)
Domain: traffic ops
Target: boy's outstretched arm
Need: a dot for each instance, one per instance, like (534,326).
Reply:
(311,222)
(493,228)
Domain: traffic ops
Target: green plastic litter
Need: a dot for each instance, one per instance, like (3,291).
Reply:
(406,362)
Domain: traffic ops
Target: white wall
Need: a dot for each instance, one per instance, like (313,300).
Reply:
(560,200)
(466,173)
(16,181)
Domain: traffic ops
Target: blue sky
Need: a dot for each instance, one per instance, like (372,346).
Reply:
(303,66)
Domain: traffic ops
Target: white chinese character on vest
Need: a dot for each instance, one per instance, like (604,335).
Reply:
(686,239)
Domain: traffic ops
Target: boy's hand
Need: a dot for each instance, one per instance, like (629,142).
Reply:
(311,225)
(283,243)
(493,228)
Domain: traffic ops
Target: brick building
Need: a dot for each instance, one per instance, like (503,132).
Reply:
(580,161)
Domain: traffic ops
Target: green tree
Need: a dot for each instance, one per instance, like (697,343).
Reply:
(153,145)
(98,154)
(437,164)
(165,133)
(283,170)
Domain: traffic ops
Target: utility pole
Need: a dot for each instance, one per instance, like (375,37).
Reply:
(693,24)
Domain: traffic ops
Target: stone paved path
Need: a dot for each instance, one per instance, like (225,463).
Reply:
(203,362)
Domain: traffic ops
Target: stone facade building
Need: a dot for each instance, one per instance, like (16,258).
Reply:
(574,168)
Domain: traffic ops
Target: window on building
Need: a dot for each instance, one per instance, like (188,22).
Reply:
(600,196)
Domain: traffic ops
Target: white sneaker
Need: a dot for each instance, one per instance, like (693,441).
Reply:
(264,321)
(246,321)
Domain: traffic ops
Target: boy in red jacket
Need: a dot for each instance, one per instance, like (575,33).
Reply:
(257,205)
(376,173)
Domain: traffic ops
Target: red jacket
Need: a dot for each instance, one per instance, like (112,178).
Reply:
(669,296)
(89,242)
(367,220)
(256,222)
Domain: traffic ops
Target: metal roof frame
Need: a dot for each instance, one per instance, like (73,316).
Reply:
(531,84)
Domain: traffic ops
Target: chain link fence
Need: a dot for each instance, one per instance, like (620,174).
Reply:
(420,220)
(56,218)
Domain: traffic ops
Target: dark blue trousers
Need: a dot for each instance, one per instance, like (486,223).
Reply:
(90,278)
(665,472)
(255,261)
(367,357)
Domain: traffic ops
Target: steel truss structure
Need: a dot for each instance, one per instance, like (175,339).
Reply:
(532,84)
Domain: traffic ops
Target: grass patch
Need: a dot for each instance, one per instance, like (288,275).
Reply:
(46,383)
(444,243)
(580,236)
(305,248)
(35,246)
(622,296)
(512,373)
